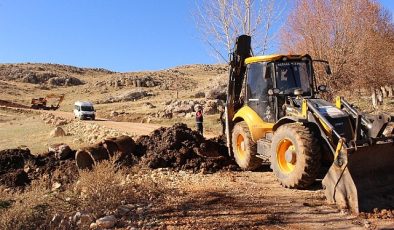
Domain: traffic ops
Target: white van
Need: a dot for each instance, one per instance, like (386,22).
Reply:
(84,110)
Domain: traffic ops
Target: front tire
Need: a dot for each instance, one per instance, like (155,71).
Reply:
(244,148)
(295,156)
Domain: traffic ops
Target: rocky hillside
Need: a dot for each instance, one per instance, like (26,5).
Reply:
(50,74)
(135,96)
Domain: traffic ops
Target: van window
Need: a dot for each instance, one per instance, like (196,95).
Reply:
(87,108)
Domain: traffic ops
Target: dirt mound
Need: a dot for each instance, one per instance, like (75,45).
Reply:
(12,104)
(180,148)
(15,178)
(12,162)
(63,171)
(13,159)
(18,167)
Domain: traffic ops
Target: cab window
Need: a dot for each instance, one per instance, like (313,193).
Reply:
(292,75)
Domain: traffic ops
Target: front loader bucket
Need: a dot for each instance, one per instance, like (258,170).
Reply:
(363,179)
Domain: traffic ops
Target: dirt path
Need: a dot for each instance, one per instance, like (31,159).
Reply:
(136,129)
(251,200)
(129,127)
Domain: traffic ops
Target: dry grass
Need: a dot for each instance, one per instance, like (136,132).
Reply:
(29,130)
(98,192)
(103,189)
(31,209)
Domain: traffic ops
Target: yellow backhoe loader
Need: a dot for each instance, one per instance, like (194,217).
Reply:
(42,102)
(274,115)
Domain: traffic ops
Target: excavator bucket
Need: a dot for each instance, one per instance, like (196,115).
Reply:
(362,179)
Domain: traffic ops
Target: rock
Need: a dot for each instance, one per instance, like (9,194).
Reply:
(64,224)
(57,132)
(211,107)
(62,151)
(56,186)
(64,81)
(56,220)
(199,95)
(114,114)
(60,122)
(93,226)
(218,92)
(132,95)
(76,217)
(106,222)
(149,105)
(85,220)
(27,169)
(122,210)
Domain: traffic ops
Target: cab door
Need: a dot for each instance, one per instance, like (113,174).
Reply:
(258,82)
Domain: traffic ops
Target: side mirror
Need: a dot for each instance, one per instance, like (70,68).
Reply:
(328,69)
(322,88)
(273,92)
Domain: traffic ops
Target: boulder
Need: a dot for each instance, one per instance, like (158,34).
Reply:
(57,132)
(217,92)
(199,94)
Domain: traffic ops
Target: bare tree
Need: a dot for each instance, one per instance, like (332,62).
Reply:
(221,21)
(355,36)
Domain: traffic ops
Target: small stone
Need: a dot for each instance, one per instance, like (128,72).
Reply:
(76,217)
(56,219)
(27,169)
(106,222)
(139,211)
(122,210)
(85,220)
(93,226)
(56,186)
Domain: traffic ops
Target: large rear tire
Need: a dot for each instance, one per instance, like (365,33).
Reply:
(244,148)
(295,156)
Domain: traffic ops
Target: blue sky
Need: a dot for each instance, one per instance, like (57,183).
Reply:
(120,35)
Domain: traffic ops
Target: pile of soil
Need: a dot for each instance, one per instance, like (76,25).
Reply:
(180,148)
(177,147)
(12,104)
(12,162)
(18,167)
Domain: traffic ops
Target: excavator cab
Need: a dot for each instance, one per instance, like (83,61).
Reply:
(271,80)
(273,116)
